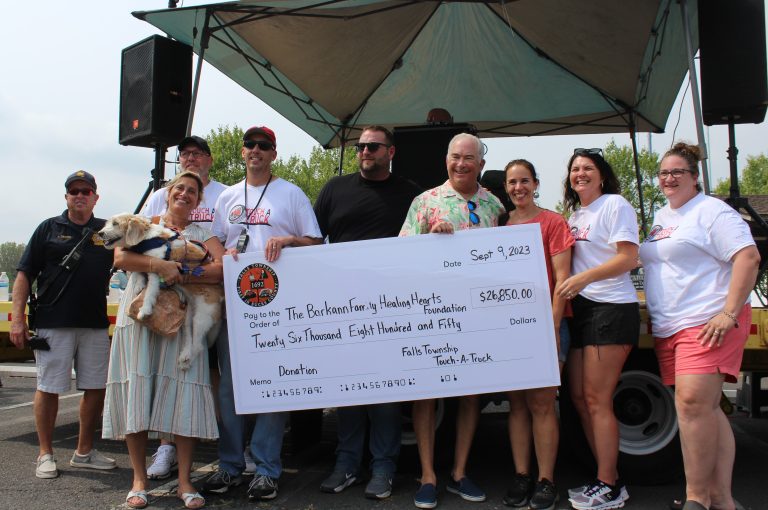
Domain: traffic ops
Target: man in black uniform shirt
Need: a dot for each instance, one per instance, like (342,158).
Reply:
(71,316)
(369,204)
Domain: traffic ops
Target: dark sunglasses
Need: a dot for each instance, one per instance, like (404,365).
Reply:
(80,191)
(594,151)
(473,217)
(265,146)
(371,146)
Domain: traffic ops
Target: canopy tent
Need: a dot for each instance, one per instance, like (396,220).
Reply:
(510,68)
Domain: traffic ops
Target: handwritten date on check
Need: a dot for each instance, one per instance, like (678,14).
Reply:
(388,320)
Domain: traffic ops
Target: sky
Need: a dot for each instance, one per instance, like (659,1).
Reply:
(59,100)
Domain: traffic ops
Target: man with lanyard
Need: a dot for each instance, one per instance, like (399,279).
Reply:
(458,204)
(71,267)
(261,213)
(194,156)
(370,204)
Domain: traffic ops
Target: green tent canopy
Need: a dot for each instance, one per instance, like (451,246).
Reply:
(510,68)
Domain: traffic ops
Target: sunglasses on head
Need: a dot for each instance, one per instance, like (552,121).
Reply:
(265,146)
(80,191)
(594,151)
(371,146)
(473,217)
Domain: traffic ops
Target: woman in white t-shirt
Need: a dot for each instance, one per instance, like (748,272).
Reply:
(700,265)
(606,317)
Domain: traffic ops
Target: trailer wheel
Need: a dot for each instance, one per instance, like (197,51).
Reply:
(649,442)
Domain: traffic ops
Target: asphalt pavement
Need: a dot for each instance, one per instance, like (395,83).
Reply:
(490,466)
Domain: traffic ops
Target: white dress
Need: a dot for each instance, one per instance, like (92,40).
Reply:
(146,390)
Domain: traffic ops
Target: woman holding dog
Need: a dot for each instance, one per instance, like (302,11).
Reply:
(700,265)
(148,393)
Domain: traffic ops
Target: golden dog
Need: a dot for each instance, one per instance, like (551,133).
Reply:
(203,319)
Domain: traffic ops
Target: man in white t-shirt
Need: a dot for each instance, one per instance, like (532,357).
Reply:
(194,156)
(261,213)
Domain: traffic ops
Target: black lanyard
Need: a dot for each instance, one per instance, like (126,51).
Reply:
(245,184)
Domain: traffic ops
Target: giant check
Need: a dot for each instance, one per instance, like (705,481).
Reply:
(391,319)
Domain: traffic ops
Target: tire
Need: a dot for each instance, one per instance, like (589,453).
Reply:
(649,442)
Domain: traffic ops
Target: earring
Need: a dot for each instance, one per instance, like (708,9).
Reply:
(601,184)
(536,194)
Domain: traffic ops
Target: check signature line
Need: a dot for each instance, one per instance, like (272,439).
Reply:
(443,367)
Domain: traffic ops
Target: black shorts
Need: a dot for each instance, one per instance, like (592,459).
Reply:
(596,323)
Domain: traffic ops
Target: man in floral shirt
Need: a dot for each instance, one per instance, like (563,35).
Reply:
(458,204)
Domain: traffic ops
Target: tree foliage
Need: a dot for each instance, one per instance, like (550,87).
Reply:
(226,144)
(622,162)
(10,255)
(310,175)
(753,180)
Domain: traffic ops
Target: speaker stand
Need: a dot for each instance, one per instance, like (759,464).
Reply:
(157,174)
(738,202)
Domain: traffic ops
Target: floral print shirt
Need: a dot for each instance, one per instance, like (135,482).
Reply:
(443,203)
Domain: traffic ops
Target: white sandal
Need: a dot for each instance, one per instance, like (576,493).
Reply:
(142,495)
(188,497)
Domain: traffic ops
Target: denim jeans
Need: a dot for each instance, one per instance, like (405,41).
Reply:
(384,439)
(267,437)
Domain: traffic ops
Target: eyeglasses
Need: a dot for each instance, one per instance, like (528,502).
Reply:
(192,154)
(675,172)
(371,146)
(473,217)
(593,151)
(87,192)
(251,144)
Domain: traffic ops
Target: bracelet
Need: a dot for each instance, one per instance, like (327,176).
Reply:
(732,317)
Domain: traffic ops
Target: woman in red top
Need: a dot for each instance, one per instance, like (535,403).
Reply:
(532,412)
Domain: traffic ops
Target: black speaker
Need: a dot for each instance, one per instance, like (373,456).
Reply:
(155,92)
(420,152)
(734,87)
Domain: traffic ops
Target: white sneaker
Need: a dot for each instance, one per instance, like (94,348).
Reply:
(46,467)
(163,462)
(250,464)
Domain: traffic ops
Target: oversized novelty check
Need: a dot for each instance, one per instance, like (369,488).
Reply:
(391,319)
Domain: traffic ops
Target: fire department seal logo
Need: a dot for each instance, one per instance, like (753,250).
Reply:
(257,285)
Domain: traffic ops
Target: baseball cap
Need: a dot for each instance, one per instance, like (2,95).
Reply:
(261,130)
(81,175)
(195,140)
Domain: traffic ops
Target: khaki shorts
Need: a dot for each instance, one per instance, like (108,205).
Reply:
(89,350)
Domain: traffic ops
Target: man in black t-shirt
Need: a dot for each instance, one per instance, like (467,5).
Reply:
(369,204)
(71,316)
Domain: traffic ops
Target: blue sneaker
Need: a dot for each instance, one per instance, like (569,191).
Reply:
(466,489)
(426,496)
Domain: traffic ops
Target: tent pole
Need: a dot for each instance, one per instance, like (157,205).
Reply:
(196,85)
(342,144)
(692,76)
(638,174)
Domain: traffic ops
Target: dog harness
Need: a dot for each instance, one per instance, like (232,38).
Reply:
(156,242)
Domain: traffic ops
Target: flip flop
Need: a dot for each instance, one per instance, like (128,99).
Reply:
(142,495)
(189,497)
